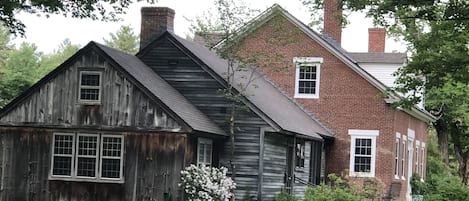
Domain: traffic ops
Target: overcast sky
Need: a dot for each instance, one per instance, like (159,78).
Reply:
(48,33)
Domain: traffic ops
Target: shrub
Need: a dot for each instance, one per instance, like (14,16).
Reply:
(418,186)
(338,190)
(284,196)
(206,183)
(445,187)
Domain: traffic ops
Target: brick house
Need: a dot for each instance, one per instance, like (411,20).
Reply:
(344,91)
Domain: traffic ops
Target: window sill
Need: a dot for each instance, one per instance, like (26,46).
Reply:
(306,96)
(82,102)
(361,174)
(112,181)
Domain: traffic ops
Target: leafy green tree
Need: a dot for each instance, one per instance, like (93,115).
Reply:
(437,33)
(50,61)
(94,9)
(5,47)
(21,71)
(124,39)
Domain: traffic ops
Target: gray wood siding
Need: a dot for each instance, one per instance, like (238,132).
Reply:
(303,174)
(202,90)
(122,103)
(275,165)
(152,165)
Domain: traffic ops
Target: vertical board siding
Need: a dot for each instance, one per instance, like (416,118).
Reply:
(152,165)
(122,103)
(275,165)
(202,90)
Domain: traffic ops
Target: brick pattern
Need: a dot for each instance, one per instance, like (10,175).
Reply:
(155,20)
(376,39)
(346,100)
(332,20)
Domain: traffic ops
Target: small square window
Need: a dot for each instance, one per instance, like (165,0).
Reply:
(307,77)
(90,87)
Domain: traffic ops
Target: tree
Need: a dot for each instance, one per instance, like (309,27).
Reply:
(438,37)
(5,47)
(95,9)
(124,39)
(20,72)
(50,61)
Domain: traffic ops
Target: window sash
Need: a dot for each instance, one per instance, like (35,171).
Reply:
(56,155)
(403,157)
(104,157)
(86,156)
(204,151)
(396,155)
(83,88)
(307,76)
(362,152)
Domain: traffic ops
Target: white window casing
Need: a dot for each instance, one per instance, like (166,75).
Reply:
(85,163)
(310,76)
(397,154)
(417,159)
(204,151)
(422,160)
(89,92)
(403,156)
(367,148)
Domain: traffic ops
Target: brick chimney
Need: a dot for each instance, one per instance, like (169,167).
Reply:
(332,18)
(376,39)
(155,20)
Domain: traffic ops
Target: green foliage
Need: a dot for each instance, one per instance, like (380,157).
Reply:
(124,39)
(5,47)
(417,185)
(284,196)
(445,187)
(50,61)
(106,10)
(338,190)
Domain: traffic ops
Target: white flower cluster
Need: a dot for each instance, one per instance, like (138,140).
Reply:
(206,183)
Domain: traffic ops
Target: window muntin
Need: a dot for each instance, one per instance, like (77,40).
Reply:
(363,152)
(307,77)
(90,87)
(77,156)
(417,159)
(204,151)
(396,155)
(422,160)
(403,156)
(300,154)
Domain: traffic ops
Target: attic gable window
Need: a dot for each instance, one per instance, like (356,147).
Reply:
(307,76)
(87,157)
(90,87)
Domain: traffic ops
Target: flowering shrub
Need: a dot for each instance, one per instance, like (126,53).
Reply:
(206,183)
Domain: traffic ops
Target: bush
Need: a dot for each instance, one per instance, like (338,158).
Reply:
(444,187)
(338,190)
(284,196)
(206,183)
(418,186)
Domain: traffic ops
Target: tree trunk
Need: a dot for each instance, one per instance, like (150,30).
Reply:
(442,132)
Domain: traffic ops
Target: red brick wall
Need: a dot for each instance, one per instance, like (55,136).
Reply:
(376,39)
(346,100)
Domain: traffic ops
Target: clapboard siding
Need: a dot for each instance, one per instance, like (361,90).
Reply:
(275,164)
(122,103)
(202,90)
(152,165)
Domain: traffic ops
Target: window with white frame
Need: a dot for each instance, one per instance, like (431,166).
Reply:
(307,76)
(87,156)
(396,155)
(422,161)
(300,153)
(417,161)
(90,87)
(204,151)
(363,152)
(403,155)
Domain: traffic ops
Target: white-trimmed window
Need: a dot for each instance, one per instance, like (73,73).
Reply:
(363,152)
(204,151)
(307,76)
(403,155)
(396,155)
(90,87)
(422,161)
(417,161)
(300,154)
(87,157)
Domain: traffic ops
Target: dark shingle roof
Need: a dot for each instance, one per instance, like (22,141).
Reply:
(379,57)
(169,96)
(263,95)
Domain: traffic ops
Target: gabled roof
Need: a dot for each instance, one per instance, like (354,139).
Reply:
(379,57)
(265,97)
(147,80)
(334,49)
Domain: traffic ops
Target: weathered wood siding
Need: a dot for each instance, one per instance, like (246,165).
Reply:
(152,165)
(275,164)
(122,103)
(303,174)
(182,72)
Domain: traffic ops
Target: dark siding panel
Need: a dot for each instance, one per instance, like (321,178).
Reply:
(275,165)
(202,90)
(122,103)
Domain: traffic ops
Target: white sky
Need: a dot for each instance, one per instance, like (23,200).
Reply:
(48,33)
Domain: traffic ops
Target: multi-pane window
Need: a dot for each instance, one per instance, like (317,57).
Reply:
(422,161)
(90,87)
(307,77)
(417,161)
(204,151)
(300,154)
(87,156)
(363,152)
(403,155)
(396,155)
